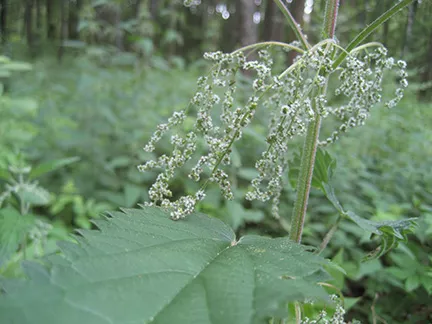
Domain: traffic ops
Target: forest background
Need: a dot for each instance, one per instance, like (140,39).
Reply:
(102,73)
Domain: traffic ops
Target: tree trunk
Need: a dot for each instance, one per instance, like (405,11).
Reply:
(153,8)
(231,31)
(409,27)
(273,28)
(38,15)
(63,28)
(28,20)
(297,10)
(119,32)
(137,8)
(74,10)
(3,24)
(51,30)
(426,75)
(248,29)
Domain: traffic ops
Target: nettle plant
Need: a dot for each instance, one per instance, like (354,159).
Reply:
(142,267)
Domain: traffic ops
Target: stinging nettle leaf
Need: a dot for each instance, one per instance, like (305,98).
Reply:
(51,166)
(142,267)
(13,228)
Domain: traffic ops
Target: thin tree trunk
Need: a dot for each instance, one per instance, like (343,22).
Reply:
(248,30)
(426,75)
(3,24)
(63,29)
(74,10)
(231,31)
(386,24)
(137,8)
(409,27)
(119,32)
(38,15)
(153,8)
(273,28)
(28,19)
(51,30)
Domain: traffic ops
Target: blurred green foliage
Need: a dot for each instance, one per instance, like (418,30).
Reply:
(104,117)
(102,104)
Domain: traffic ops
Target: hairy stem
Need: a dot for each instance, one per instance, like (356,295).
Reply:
(311,143)
(297,312)
(305,178)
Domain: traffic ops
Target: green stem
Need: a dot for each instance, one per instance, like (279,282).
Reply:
(329,235)
(311,143)
(271,43)
(330,17)
(305,178)
(297,312)
(293,24)
(371,28)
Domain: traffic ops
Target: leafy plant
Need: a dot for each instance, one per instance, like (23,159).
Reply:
(20,196)
(139,255)
(92,274)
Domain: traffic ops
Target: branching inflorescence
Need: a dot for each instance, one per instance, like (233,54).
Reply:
(293,99)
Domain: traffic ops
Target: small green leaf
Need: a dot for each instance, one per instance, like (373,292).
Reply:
(51,166)
(13,228)
(32,195)
(412,283)
(142,267)
(4,174)
(323,169)
(390,232)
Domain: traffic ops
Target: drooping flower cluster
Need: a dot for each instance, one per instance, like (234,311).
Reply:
(336,318)
(360,82)
(292,99)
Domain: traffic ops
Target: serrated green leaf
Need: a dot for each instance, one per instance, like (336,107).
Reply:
(390,232)
(323,169)
(412,283)
(13,227)
(51,166)
(142,267)
(32,195)
(4,174)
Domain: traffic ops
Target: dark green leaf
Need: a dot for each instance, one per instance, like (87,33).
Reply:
(323,169)
(37,196)
(390,232)
(4,174)
(13,227)
(51,166)
(142,267)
